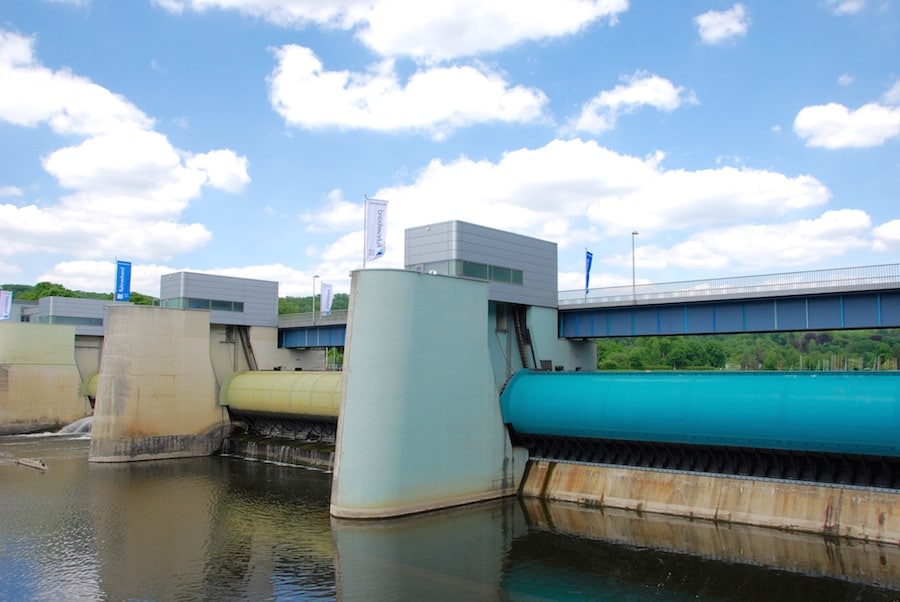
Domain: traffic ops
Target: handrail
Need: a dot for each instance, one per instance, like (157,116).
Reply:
(865,278)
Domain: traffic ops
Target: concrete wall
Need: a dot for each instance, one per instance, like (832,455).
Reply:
(40,388)
(543,327)
(270,356)
(564,353)
(420,425)
(227,354)
(156,394)
(862,514)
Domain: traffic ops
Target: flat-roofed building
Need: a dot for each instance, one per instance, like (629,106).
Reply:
(519,269)
(88,316)
(230,300)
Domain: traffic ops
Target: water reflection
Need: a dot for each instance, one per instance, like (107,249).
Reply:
(693,559)
(455,554)
(225,528)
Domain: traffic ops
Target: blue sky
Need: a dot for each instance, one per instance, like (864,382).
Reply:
(241,137)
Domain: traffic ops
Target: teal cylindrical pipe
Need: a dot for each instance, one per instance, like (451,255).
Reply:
(837,412)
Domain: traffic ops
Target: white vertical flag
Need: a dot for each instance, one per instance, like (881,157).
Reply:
(327,299)
(5,304)
(376,228)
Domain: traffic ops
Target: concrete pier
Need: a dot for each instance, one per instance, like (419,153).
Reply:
(40,387)
(156,393)
(420,427)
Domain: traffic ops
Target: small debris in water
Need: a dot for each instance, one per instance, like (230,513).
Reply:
(32,463)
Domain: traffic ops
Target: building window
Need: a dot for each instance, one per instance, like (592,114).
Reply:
(471,269)
(499,274)
(71,321)
(197,303)
(494,273)
(211,304)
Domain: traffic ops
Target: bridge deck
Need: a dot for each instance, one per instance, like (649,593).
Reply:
(835,299)
(846,298)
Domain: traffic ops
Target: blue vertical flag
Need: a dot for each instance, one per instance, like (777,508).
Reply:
(123,280)
(588,257)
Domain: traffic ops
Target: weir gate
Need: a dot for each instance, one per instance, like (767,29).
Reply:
(457,387)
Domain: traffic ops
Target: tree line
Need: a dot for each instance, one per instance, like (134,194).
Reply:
(828,350)
(28,292)
(303,305)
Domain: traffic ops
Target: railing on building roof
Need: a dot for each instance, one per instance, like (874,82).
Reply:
(300,320)
(866,278)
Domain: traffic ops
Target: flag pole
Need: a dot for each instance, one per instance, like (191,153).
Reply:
(365,225)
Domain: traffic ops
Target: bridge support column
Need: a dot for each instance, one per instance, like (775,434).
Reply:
(156,393)
(420,425)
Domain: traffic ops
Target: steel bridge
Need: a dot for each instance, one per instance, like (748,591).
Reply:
(834,299)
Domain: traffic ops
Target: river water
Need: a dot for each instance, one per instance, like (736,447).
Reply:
(223,528)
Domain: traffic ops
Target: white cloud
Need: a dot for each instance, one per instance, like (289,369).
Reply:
(716,27)
(577,193)
(844,7)
(580,194)
(752,247)
(335,214)
(284,13)
(681,199)
(67,103)
(128,185)
(9,271)
(82,275)
(887,236)
(639,90)
(426,30)
(86,275)
(440,30)
(835,126)
(223,169)
(892,96)
(435,100)
(10,191)
(845,79)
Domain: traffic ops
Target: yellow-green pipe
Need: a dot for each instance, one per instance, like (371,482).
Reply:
(89,387)
(290,394)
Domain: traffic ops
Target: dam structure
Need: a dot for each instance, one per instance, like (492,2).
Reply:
(458,386)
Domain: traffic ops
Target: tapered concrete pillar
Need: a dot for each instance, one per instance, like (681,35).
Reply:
(156,393)
(419,425)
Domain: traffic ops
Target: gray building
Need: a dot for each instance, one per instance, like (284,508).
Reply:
(230,301)
(519,269)
(86,315)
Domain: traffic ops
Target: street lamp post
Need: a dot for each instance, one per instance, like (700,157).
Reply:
(633,294)
(314,299)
